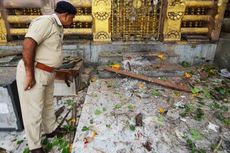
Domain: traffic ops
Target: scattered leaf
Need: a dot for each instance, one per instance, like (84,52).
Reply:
(26,150)
(196,90)
(70,102)
(214,106)
(108,125)
(199,114)
(130,107)
(132,127)
(154,92)
(97,112)
(185,64)
(19,142)
(104,109)
(196,135)
(117,106)
(85,128)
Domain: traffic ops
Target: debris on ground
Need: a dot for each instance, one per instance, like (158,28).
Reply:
(135,116)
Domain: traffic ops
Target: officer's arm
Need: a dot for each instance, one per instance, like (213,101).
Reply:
(29,49)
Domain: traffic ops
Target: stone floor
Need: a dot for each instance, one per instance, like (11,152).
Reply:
(124,115)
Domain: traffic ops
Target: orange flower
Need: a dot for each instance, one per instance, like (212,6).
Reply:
(116,66)
(161,110)
(187,75)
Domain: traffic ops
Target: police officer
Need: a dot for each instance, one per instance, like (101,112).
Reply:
(42,53)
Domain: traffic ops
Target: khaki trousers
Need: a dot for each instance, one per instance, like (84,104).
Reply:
(36,105)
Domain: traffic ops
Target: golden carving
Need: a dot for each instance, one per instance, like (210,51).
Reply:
(175,15)
(176,2)
(173,34)
(101,11)
(102,35)
(173,20)
(137,4)
(3,32)
(136,19)
(102,15)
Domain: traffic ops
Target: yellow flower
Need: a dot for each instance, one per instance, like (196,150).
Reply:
(161,56)
(187,75)
(161,110)
(116,66)
(94,134)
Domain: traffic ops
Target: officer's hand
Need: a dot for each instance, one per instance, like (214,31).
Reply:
(30,82)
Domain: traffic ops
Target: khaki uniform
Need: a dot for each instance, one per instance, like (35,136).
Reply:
(37,103)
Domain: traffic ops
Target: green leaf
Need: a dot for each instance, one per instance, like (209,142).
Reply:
(196,90)
(104,109)
(130,107)
(85,128)
(196,135)
(185,64)
(65,150)
(221,90)
(155,92)
(19,141)
(227,121)
(117,106)
(132,127)
(97,112)
(49,146)
(26,150)
(207,93)
(108,125)
(214,105)
(55,141)
(220,116)
(45,141)
(224,108)
(199,114)
(70,102)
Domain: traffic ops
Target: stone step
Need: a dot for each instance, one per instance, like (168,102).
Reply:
(156,70)
(151,56)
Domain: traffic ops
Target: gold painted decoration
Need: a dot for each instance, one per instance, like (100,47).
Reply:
(137,4)
(102,36)
(175,15)
(101,11)
(102,15)
(3,33)
(173,35)
(176,2)
(136,20)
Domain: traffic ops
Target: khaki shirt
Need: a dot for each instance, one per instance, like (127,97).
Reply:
(47,31)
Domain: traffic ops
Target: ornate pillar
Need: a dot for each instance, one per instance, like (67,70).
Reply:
(218,18)
(172,24)
(101,11)
(3,32)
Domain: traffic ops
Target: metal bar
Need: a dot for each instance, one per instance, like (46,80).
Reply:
(196,18)
(194,30)
(199,3)
(28,18)
(168,84)
(68,31)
